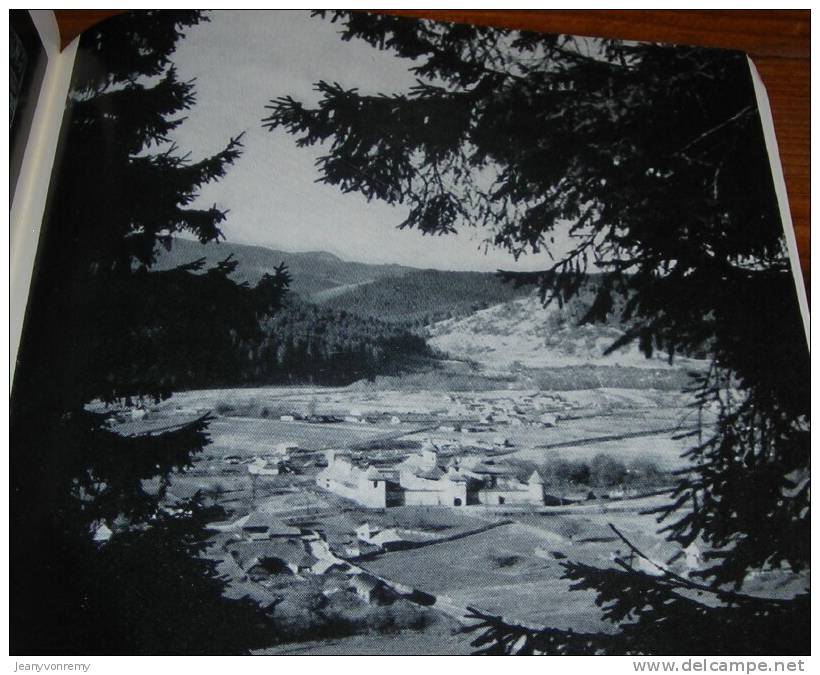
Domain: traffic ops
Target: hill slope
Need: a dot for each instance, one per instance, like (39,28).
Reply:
(392,293)
(522,331)
(423,296)
(312,272)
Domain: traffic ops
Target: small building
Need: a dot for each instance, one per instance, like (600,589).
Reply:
(366,532)
(349,546)
(371,589)
(395,539)
(261,466)
(260,525)
(261,560)
(330,566)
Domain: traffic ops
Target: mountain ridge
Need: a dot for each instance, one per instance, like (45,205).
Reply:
(312,271)
(387,292)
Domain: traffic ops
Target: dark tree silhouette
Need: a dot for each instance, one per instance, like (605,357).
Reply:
(103,326)
(653,159)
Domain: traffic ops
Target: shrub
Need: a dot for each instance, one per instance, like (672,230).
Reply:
(606,471)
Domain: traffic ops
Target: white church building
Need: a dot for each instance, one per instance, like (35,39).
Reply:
(422,480)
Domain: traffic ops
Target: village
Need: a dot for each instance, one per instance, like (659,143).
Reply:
(365,512)
(402,509)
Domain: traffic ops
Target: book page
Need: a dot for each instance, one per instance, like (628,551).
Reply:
(359,334)
(765,112)
(27,207)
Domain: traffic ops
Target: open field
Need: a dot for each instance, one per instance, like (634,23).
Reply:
(515,570)
(442,640)
(662,449)
(248,436)
(506,560)
(498,571)
(249,421)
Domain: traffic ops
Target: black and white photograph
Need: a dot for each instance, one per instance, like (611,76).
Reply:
(358,334)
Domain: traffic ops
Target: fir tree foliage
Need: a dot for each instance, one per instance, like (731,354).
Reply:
(651,160)
(103,326)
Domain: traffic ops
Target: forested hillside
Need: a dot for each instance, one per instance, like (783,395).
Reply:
(303,343)
(392,293)
(421,297)
(348,321)
(307,343)
(312,272)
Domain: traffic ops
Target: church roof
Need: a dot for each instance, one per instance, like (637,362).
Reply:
(431,474)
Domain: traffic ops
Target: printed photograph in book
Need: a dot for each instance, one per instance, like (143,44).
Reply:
(358,334)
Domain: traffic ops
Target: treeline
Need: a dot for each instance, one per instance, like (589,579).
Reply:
(601,471)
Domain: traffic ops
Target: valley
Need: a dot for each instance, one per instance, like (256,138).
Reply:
(506,442)
(504,558)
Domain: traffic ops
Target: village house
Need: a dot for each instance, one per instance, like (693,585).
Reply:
(260,560)
(392,538)
(261,525)
(348,546)
(262,466)
(330,565)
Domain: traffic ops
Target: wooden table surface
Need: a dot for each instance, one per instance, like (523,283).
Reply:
(778,41)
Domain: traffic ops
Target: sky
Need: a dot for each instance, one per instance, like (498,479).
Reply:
(243,59)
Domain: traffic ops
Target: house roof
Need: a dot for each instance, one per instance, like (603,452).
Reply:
(412,535)
(375,473)
(341,523)
(275,527)
(324,566)
(395,534)
(335,537)
(492,469)
(431,474)
(291,552)
(365,547)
